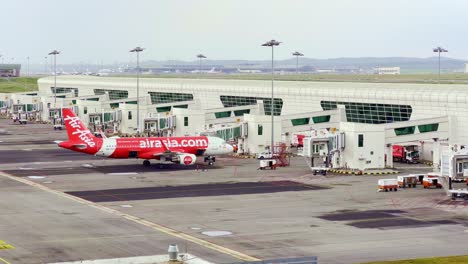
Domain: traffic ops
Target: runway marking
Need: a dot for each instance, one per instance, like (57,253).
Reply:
(4,261)
(155,226)
(5,245)
(122,173)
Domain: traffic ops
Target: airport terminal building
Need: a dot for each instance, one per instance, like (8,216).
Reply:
(240,109)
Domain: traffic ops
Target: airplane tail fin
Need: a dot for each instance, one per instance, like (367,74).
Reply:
(76,130)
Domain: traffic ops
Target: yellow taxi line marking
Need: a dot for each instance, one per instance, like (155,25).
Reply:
(155,226)
(4,261)
(5,245)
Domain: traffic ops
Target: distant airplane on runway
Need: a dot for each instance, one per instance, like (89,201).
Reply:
(248,71)
(213,70)
(180,150)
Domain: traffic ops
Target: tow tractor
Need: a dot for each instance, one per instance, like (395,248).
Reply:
(268,163)
(429,182)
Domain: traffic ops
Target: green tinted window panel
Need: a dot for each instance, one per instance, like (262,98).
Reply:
(108,117)
(300,121)
(114,105)
(185,120)
(223,114)
(74,102)
(61,90)
(236,132)
(1,103)
(60,96)
(113,94)
(231,101)
(162,123)
(163,98)
(321,119)
(260,130)
(241,112)
(428,128)
(93,99)
(163,109)
(404,131)
(371,113)
(220,134)
(131,102)
(181,106)
(29,107)
(277,106)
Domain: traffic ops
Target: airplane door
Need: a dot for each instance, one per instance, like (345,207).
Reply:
(133,154)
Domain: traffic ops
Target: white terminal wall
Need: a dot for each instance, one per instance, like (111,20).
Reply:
(371,154)
(196,122)
(426,100)
(255,143)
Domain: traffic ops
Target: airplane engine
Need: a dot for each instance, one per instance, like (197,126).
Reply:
(187,159)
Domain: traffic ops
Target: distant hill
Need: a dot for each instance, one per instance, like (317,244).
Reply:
(407,64)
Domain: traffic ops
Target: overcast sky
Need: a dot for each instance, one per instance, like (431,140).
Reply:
(104,30)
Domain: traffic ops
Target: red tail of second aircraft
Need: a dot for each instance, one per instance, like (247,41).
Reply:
(79,137)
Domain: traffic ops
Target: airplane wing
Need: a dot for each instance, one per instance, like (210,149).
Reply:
(168,153)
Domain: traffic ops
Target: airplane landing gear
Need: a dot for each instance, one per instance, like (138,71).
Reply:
(211,160)
(146,163)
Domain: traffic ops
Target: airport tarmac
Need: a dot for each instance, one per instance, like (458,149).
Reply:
(63,206)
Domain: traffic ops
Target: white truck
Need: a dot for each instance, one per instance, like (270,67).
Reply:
(265,155)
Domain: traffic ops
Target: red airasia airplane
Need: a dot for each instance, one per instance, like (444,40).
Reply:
(180,150)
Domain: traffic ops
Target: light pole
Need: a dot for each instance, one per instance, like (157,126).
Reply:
(272,43)
(200,56)
(439,50)
(45,65)
(138,50)
(297,54)
(55,53)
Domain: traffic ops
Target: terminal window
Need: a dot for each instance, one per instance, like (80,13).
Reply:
(232,101)
(371,113)
(164,98)
(113,94)
(61,90)
(260,130)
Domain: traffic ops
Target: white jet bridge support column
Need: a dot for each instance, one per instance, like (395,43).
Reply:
(436,154)
(389,155)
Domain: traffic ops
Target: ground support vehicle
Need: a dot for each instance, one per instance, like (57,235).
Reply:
(388,185)
(408,154)
(268,163)
(407,181)
(319,170)
(431,182)
(458,194)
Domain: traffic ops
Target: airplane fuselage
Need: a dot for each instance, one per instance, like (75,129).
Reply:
(181,150)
